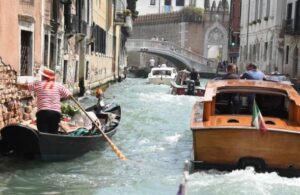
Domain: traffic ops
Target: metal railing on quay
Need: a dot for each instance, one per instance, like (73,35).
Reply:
(182,190)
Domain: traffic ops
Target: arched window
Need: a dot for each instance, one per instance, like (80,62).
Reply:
(261,9)
(268,8)
(256,9)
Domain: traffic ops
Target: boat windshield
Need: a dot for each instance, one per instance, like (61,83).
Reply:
(161,72)
(271,105)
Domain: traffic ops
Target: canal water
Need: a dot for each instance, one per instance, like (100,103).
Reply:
(154,135)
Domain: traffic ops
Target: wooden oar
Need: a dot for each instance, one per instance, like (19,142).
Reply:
(112,145)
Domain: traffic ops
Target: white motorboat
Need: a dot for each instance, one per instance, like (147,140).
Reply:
(162,75)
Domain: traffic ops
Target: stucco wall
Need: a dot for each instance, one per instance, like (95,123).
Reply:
(14,13)
(9,33)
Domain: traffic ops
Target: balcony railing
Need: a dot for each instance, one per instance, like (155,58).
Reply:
(76,26)
(292,26)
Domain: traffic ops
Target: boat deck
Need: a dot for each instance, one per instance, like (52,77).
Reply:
(238,121)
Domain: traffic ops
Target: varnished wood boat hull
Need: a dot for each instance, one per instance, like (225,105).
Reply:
(223,136)
(238,148)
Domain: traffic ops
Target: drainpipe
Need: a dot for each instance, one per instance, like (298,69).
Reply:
(42,32)
(230,32)
(247,40)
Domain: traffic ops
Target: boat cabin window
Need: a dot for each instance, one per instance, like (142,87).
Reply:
(162,72)
(241,103)
(156,72)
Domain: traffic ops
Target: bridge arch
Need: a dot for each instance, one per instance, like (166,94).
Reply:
(180,56)
(180,63)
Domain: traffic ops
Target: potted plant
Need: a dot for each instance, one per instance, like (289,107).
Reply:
(266,18)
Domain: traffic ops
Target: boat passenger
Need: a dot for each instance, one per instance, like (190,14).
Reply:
(182,76)
(48,94)
(195,76)
(234,101)
(100,104)
(231,72)
(253,73)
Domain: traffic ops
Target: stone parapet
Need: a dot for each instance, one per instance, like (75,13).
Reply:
(172,17)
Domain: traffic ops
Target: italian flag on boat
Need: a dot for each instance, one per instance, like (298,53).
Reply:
(257,119)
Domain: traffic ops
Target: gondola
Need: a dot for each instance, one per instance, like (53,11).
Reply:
(24,141)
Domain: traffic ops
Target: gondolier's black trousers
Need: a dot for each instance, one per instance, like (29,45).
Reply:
(47,121)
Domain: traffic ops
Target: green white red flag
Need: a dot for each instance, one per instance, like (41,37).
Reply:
(257,120)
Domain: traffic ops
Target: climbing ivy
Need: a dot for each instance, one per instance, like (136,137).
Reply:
(192,14)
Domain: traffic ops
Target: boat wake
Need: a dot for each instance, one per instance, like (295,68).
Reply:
(245,181)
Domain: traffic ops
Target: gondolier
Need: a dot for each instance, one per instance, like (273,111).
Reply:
(48,94)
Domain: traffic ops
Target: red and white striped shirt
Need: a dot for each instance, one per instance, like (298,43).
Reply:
(49,94)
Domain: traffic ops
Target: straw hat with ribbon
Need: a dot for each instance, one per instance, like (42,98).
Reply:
(48,73)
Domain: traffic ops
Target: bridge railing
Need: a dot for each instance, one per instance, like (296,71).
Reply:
(145,44)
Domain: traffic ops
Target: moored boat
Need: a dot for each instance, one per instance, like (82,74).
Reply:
(25,141)
(162,75)
(224,138)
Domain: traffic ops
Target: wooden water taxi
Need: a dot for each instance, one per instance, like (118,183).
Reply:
(224,138)
(185,85)
(187,88)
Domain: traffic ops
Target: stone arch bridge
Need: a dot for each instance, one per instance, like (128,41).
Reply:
(180,57)
(191,39)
